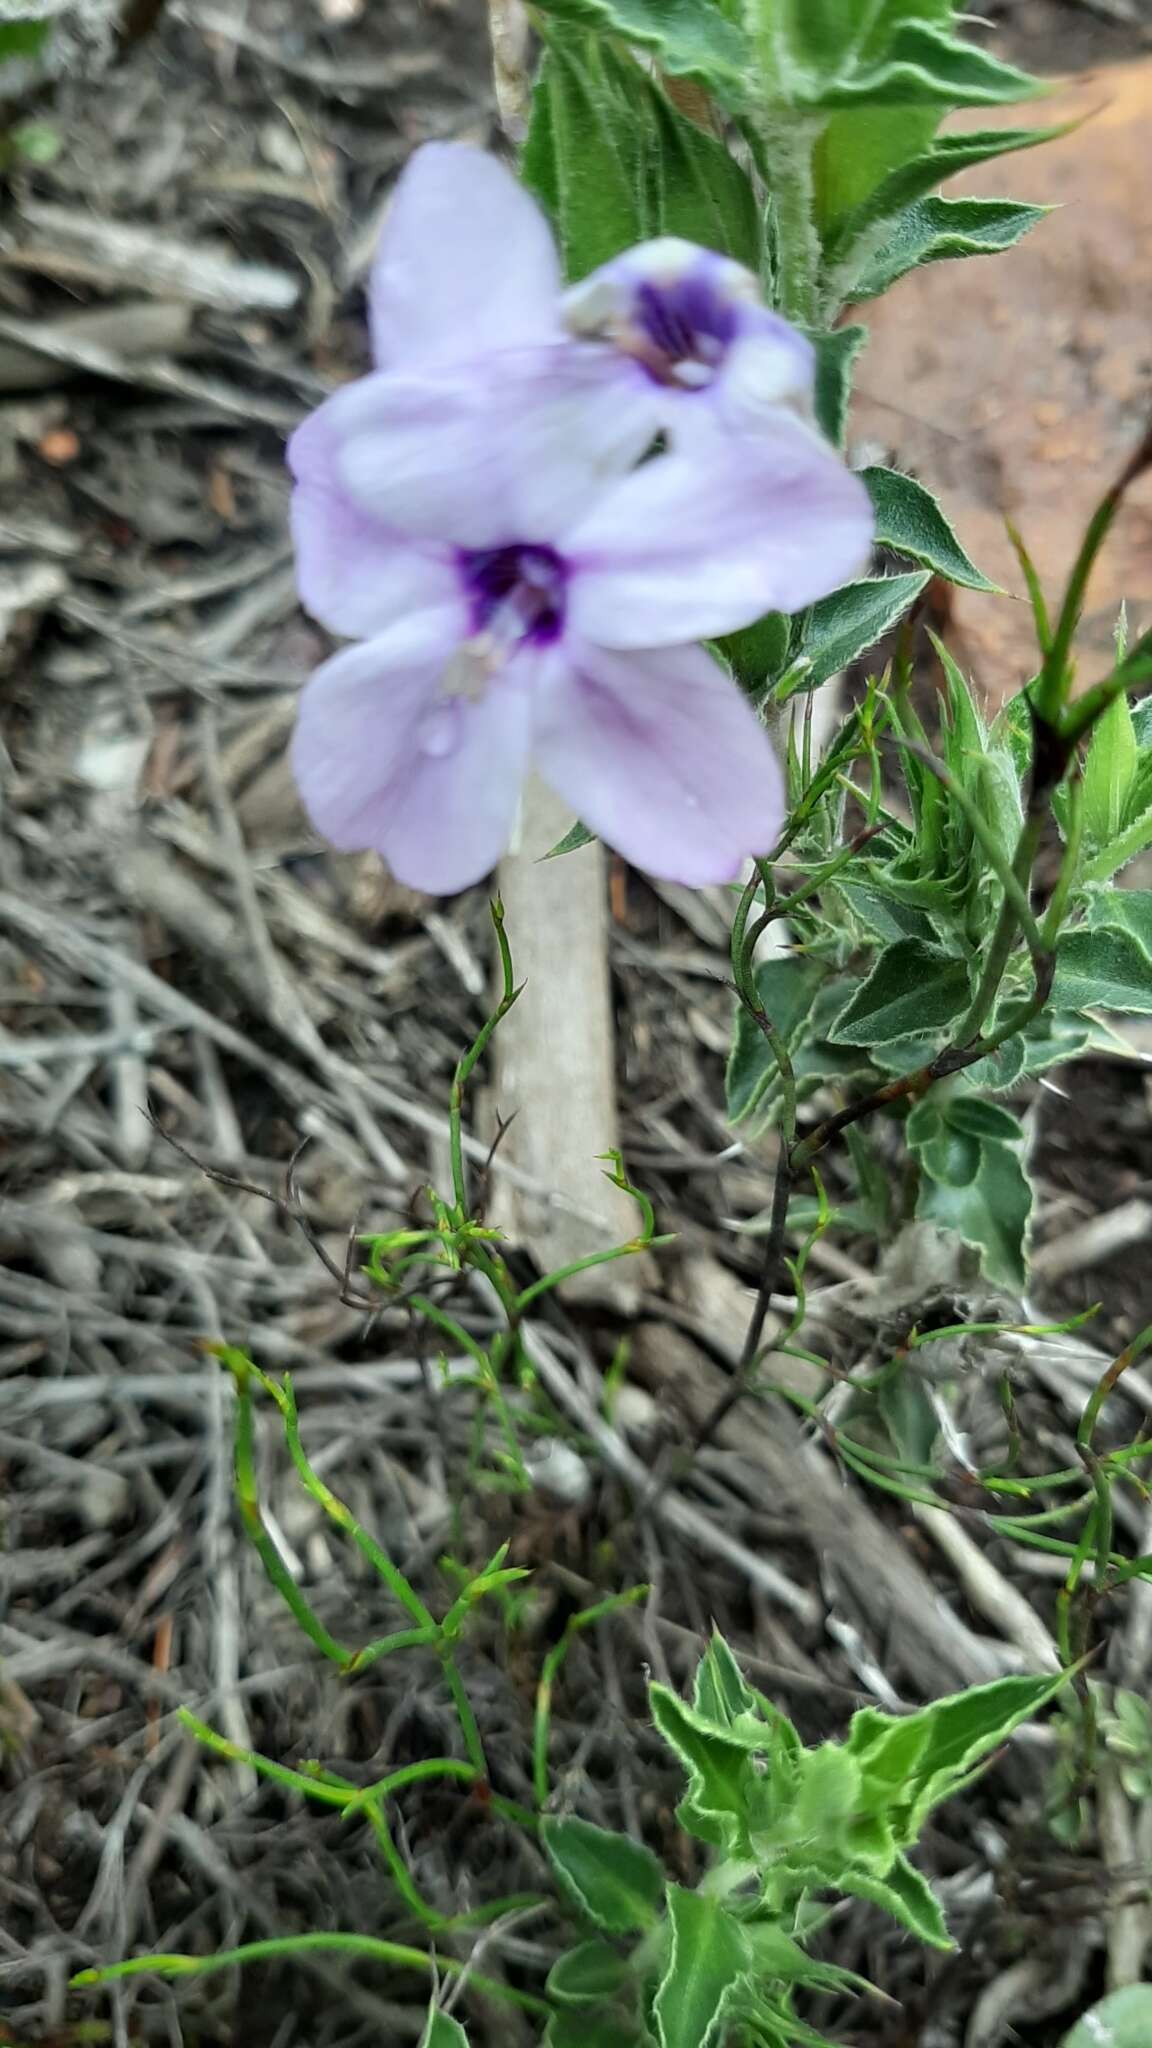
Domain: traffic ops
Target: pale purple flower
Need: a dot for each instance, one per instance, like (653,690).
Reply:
(466,264)
(695,349)
(474,513)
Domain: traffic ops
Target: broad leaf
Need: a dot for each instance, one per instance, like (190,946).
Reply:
(1122,2020)
(934,230)
(1102,970)
(615,1882)
(886,917)
(702,194)
(907,1896)
(926,67)
(580,157)
(587,1975)
(843,627)
(787,989)
(708,1958)
(909,520)
(836,355)
(991,1210)
(956,1735)
(690,38)
(912,988)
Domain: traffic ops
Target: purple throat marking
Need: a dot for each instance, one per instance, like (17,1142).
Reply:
(519,590)
(686,322)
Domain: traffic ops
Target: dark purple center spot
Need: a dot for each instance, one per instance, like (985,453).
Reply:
(516,591)
(686,322)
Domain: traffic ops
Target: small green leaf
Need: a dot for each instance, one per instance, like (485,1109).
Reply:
(912,988)
(759,653)
(1109,774)
(836,355)
(691,38)
(1122,2020)
(716,1761)
(1124,910)
(787,989)
(442,2031)
(617,1883)
(921,175)
(1102,970)
(990,1211)
(578,835)
(587,1975)
(909,521)
(827,1794)
(843,627)
(709,1957)
(907,1896)
(934,230)
(886,917)
(720,1692)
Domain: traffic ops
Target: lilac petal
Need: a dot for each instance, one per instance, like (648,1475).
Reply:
(383,758)
(354,573)
(686,548)
(660,754)
(465,264)
(516,449)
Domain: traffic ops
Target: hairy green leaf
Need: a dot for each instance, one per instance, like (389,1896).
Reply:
(909,521)
(907,1896)
(581,158)
(1103,970)
(934,230)
(924,67)
(617,1883)
(690,38)
(912,988)
(708,1958)
(702,194)
(920,175)
(843,627)
(836,355)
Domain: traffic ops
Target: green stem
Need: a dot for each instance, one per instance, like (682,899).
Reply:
(1004,937)
(287,1947)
